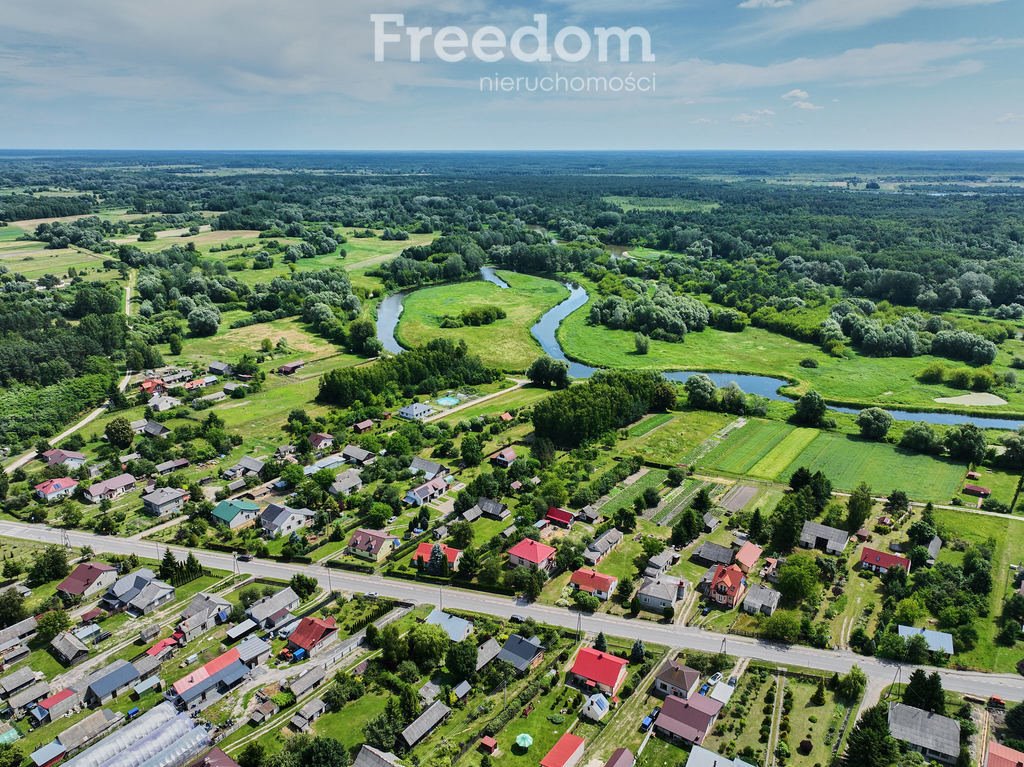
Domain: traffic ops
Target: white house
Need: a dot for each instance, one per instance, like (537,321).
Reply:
(277,520)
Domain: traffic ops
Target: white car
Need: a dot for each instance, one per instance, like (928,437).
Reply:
(715,678)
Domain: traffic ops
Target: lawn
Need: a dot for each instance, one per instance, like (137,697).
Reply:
(33,260)
(674,439)
(745,447)
(525,396)
(505,343)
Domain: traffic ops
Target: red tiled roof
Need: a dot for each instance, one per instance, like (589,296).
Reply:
(55,485)
(884,559)
(508,454)
(312,631)
(562,751)
(531,551)
(424,550)
(590,580)
(91,615)
(730,577)
(370,541)
(561,516)
(219,663)
(82,577)
(506,416)
(160,646)
(56,698)
(1003,756)
(599,667)
(748,554)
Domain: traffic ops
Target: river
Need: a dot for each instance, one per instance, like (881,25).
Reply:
(546,333)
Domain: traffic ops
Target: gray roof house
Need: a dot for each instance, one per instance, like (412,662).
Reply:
(456,628)
(308,714)
(347,482)
(521,653)
(761,599)
(655,594)
(109,682)
(356,454)
(109,489)
(307,680)
(277,520)
(701,757)
(815,535)
(270,611)
(202,614)
(88,729)
(68,649)
(936,737)
(164,501)
(937,641)
(139,593)
(487,652)
(26,696)
(710,522)
(370,757)
(602,545)
(415,411)
(677,679)
(16,680)
(429,469)
(425,723)
(713,554)
(246,465)
(493,509)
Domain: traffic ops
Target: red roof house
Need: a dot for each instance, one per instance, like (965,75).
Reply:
(424,550)
(567,752)
(1003,756)
(52,489)
(728,585)
(363,426)
(319,441)
(561,517)
(882,561)
(504,458)
(152,386)
(594,668)
(593,582)
(529,552)
(506,416)
(978,490)
(747,556)
(312,633)
(87,579)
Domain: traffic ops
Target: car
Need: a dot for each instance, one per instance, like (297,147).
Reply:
(732,681)
(517,619)
(997,703)
(715,678)
(645,725)
(245,557)
(704,689)
(372,595)
(655,711)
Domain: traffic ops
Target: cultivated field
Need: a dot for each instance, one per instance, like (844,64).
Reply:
(673,439)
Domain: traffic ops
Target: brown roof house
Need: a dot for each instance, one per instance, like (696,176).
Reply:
(87,579)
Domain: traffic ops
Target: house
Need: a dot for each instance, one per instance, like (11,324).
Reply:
(677,679)
(219,368)
(235,513)
(621,757)
(595,669)
(321,441)
(89,729)
(161,403)
(427,492)
(977,490)
(425,552)
(272,610)
(531,553)
(58,704)
(215,758)
(504,458)
(290,368)
(25,698)
(687,720)
(201,615)
(761,600)
(594,583)
(109,682)
(425,723)
(567,752)
(277,520)
(312,634)
(661,593)
(152,386)
(86,579)
(138,593)
(882,561)
(457,629)
(173,465)
(246,466)
(347,482)
(415,411)
(493,509)
(307,680)
(209,683)
(601,546)
(147,428)
(14,637)
(561,517)
(461,690)
(659,563)
(713,554)
(253,651)
(164,501)
(727,587)
(370,757)
(67,458)
(487,652)
(711,522)
(936,737)
(327,463)
(1003,756)
(701,757)
(309,713)
(264,711)
(68,649)
(588,514)
(55,489)
(109,489)
(934,547)
(356,454)
(374,545)
(747,556)
(363,426)
(472,514)
(521,653)
(831,540)
(937,641)
(17,680)
(429,469)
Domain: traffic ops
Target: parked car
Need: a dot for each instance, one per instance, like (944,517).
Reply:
(245,557)
(645,725)
(517,619)
(715,678)
(732,681)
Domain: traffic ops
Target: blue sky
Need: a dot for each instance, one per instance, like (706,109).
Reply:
(300,74)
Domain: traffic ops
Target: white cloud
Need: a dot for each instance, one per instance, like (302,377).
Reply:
(755,117)
(702,121)
(1010,117)
(796,95)
(765,3)
(806,105)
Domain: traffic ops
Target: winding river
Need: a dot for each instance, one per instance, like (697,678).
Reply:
(546,334)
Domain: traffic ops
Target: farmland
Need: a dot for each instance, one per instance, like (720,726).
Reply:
(672,440)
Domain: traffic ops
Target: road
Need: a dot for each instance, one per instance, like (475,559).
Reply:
(1007,686)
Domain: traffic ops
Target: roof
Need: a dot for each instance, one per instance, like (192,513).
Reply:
(714,552)
(56,698)
(605,542)
(163,495)
(47,753)
(562,751)
(370,541)
(113,677)
(663,587)
(84,576)
(748,554)
(599,667)
(16,680)
(229,509)
(688,719)
(119,482)
(487,652)
(532,551)
(562,516)
(277,515)
(370,757)
(176,463)
(590,580)
(250,648)
(1003,756)
(761,596)
(422,466)
(977,490)
(507,454)
(923,729)
(456,628)
(678,675)
(27,695)
(56,455)
(356,453)
(82,732)
(217,758)
(520,651)
(366,424)
(425,722)
(934,546)
(262,609)
(307,680)
(312,631)
(876,558)
(425,550)
(701,757)
(68,645)
(621,757)
(462,689)
(347,480)
(437,484)
(814,530)
(937,641)
(729,578)
(51,486)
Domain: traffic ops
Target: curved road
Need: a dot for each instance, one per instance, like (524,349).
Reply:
(880,672)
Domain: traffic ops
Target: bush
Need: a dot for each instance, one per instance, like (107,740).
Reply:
(808,362)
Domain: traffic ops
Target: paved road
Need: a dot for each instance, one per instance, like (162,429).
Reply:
(1007,686)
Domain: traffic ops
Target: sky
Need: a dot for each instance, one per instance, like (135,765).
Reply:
(303,74)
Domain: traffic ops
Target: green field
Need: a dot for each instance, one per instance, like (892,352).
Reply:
(506,343)
(525,396)
(33,260)
(672,440)
(772,450)
(672,204)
